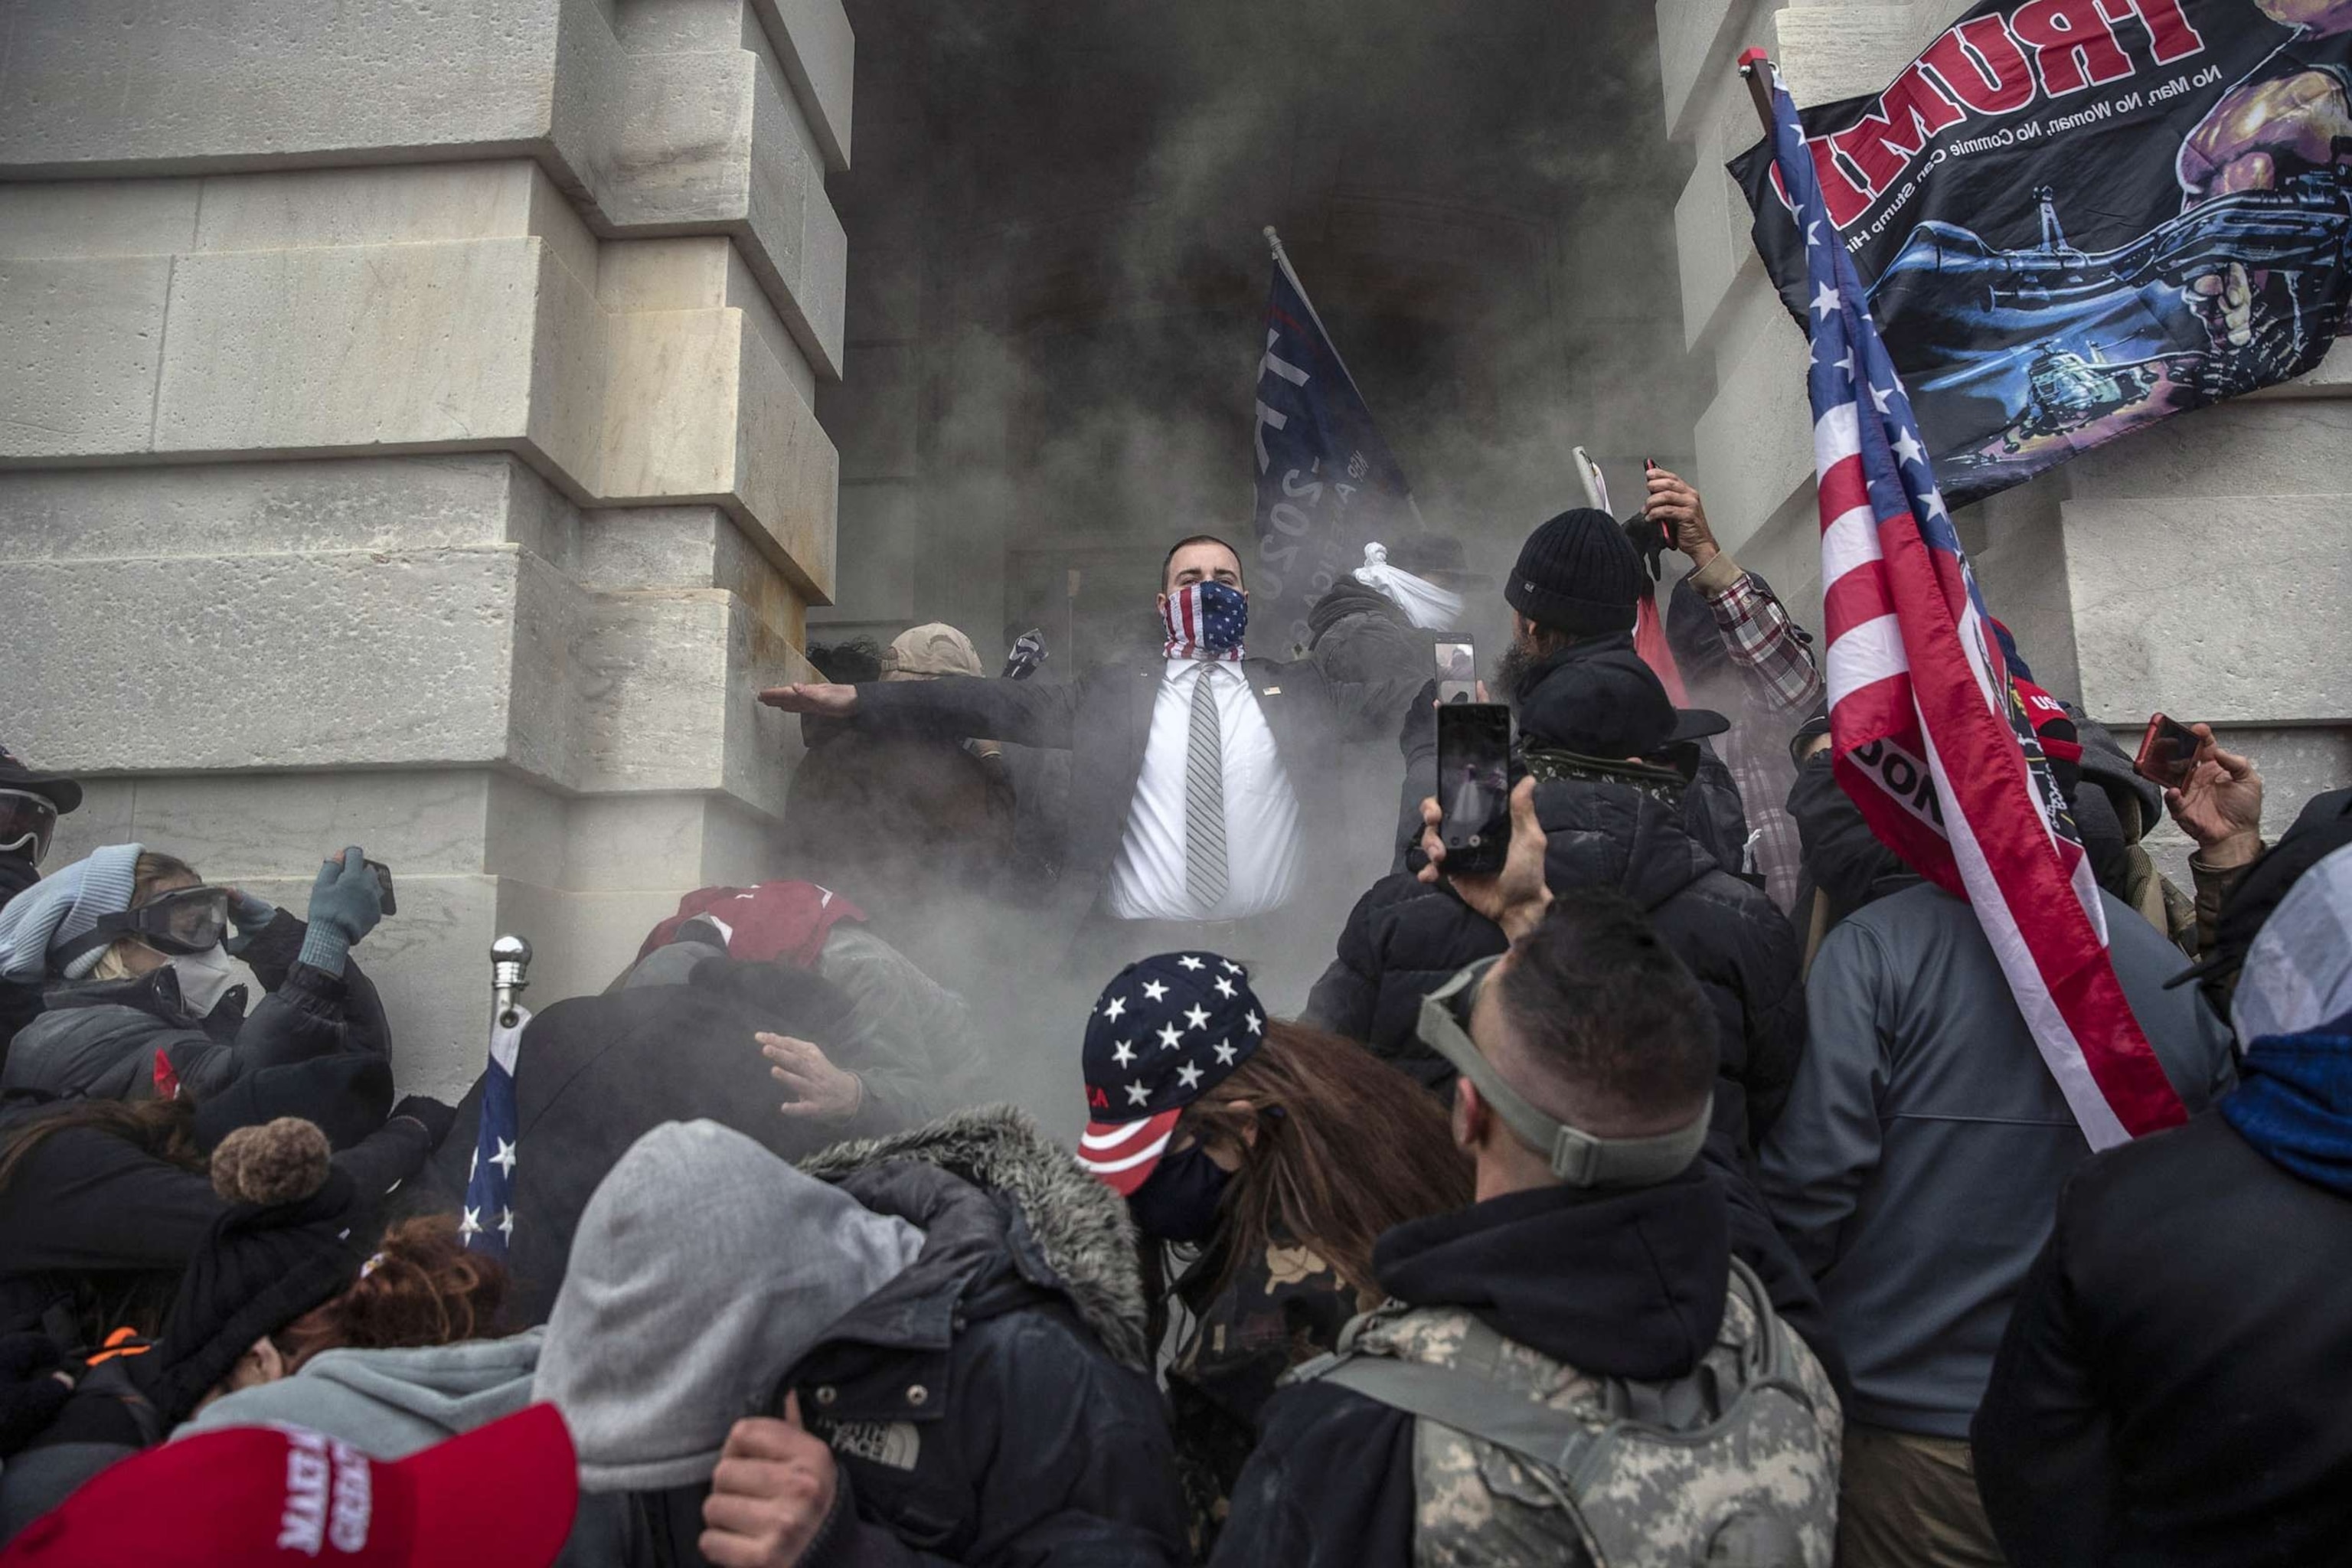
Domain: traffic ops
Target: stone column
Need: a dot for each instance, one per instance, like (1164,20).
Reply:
(406,439)
(2199,567)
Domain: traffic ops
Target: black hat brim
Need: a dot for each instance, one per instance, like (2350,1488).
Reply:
(63,793)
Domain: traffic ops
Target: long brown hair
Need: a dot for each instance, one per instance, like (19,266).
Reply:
(421,1287)
(1346,1147)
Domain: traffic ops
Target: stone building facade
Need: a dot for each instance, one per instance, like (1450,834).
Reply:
(427,426)
(408,437)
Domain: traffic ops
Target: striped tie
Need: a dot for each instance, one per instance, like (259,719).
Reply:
(1204,797)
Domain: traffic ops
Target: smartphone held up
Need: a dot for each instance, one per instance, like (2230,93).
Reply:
(2168,753)
(1458,671)
(1474,784)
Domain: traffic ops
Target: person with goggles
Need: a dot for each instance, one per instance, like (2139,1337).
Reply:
(141,998)
(1606,1252)
(30,804)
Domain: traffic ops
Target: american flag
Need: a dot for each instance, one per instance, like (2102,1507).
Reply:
(1205,621)
(1165,1032)
(1928,734)
(486,1224)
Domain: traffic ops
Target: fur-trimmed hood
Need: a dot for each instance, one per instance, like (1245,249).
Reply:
(1072,1235)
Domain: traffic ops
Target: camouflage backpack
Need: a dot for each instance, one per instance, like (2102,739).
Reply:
(1518,1459)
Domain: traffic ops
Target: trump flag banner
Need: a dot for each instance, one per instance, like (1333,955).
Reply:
(1927,732)
(1327,483)
(2072,218)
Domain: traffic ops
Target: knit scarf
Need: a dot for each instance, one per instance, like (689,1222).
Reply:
(1205,620)
(2294,1102)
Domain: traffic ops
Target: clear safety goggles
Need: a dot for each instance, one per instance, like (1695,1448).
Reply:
(27,822)
(186,920)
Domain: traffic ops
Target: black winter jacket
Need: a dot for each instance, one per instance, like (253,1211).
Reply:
(1624,1284)
(1404,939)
(991,1405)
(596,1073)
(1358,634)
(2175,1386)
(98,1039)
(90,1219)
(19,1005)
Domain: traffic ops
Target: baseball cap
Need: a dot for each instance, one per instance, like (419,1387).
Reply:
(1165,1032)
(2053,725)
(60,789)
(503,1493)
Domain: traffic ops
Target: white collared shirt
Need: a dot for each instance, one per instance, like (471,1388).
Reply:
(1262,849)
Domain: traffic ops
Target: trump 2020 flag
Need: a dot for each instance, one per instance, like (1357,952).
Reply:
(1927,732)
(487,1223)
(1326,484)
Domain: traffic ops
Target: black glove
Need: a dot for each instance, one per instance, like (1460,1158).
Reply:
(32,1388)
(1651,541)
(436,1117)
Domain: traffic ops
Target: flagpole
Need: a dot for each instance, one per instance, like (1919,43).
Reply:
(1758,68)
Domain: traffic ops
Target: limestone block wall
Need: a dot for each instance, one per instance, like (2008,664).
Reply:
(2198,567)
(407,437)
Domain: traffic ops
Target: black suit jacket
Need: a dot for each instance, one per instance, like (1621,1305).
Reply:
(1103,721)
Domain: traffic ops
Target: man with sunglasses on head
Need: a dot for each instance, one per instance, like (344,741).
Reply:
(1580,1366)
(30,804)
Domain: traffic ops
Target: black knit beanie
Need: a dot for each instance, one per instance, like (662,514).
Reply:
(1577,574)
(284,1246)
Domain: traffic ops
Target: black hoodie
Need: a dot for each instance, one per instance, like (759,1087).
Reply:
(1623,1284)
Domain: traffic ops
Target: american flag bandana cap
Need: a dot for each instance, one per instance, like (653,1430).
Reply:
(1163,1034)
(1206,620)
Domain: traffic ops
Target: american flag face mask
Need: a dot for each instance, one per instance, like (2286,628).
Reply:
(1205,620)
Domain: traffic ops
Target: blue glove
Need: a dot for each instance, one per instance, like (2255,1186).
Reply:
(344,907)
(250,912)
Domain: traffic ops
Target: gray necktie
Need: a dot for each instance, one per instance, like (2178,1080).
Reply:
(1204,797)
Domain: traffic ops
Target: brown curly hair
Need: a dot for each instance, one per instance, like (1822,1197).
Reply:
(421,1287)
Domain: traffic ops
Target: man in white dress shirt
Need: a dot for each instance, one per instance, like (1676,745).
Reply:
(1195,777)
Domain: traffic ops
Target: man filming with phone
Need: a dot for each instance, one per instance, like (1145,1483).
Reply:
(1191,815)
(1597,729)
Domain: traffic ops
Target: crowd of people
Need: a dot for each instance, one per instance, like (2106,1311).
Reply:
(1686,1190)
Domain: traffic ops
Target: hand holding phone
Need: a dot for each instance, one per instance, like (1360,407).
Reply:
(384,887)
(1474,784)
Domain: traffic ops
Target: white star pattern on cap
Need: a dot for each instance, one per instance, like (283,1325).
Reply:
(1231,967)
(1153,989)
(1116,1006)
(1197,1016)
(1188,1075)
(1137,1094)
(1169,1036)
(1256,1024)
(1123,1053)
(1225,1053)
(1226,987)
(1188,962)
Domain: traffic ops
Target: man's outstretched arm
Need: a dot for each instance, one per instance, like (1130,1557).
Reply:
(961,707)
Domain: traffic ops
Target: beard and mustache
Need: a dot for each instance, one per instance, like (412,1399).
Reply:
(1512,668)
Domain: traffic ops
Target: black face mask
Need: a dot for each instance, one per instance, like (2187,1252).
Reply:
(1178,1201)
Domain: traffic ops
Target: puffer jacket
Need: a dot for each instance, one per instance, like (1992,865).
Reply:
(99,1039)
(1404,939)
(19,1005)
(1359,635)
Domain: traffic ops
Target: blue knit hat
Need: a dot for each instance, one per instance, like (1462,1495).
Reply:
(63,906)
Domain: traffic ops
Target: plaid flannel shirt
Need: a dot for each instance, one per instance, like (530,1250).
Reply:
(1779,678)
(1774,655)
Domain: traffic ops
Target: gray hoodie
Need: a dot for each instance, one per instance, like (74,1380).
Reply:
(704,1268)
(389,1404)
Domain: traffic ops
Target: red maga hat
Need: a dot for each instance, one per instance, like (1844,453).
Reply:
(504,1493)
